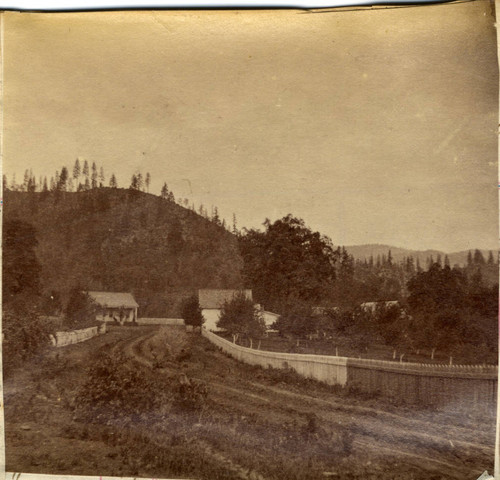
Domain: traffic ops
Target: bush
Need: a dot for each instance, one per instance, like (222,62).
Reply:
(115,389)
(240,317)
(191,312)
(80,311)
(25,334)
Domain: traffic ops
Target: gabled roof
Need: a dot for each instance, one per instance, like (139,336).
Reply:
(216,298)
(113,299)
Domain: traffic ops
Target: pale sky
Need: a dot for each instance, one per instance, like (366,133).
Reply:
(373,126)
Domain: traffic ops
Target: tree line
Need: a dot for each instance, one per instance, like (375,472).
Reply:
(85,177)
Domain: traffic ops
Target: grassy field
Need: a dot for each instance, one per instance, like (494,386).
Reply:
(346,346)
(188,411)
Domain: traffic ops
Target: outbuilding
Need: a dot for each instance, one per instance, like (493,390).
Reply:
(211,302)
(118,307)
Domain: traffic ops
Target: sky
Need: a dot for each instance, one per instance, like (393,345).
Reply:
(374,126)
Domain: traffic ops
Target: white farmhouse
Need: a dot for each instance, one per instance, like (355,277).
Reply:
(117,307)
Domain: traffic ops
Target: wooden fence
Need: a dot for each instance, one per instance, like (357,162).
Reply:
(413,383)
(160,321)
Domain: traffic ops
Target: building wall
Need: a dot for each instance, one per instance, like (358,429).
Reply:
(106,315)
(211,316)
(269,318)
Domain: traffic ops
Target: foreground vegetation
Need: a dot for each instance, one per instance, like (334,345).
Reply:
(162,403)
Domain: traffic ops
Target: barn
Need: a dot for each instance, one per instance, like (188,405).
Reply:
(118,307)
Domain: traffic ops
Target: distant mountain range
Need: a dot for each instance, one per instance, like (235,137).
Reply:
(361,252)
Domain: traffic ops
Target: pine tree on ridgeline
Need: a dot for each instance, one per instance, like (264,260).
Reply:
(112,181)
(148,181)
(94,175)
(85,169)
(63,180)
(446,261)
(140,182)
(164,191)
(491,260)
(76,170)
(134,184)
(102,178)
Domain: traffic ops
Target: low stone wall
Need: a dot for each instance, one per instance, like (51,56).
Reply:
(160,321)
(469,386)
(61,339)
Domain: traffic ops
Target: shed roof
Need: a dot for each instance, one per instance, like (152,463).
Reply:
(216,298)
(113,299)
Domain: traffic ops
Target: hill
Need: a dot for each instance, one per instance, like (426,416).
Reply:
(124,240)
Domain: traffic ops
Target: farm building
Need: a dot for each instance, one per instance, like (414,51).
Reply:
(115,306)
(372,306)
(269,317)
(211,302)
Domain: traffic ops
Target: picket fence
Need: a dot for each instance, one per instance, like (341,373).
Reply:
(61,339)
(413,383)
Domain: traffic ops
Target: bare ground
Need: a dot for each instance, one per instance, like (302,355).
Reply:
(242,430)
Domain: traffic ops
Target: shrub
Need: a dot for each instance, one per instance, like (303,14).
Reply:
(25,334)
(191,312)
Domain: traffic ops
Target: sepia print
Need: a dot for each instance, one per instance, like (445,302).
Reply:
(252,245)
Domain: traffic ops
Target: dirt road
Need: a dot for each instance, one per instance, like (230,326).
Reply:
(248,410)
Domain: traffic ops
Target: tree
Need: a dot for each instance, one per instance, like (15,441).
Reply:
(288,261)
(101,177)
(148,181)
(63,179)
(76,170)
(112,181)
(215,216)
(26,180)
(478,257)
(239,317)
(85,170)
(133,183)
(164,191)
(20,267)
(80,309)
(191,312)
(94,175)
(235,225)
(491,260)
(297,320)
(140,181)
(437,304)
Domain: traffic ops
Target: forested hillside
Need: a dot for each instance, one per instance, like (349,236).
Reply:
(125,240)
